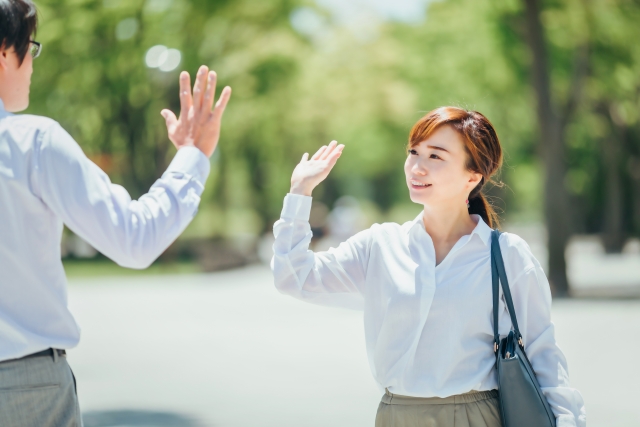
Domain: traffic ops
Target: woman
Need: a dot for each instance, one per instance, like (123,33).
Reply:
(425,286)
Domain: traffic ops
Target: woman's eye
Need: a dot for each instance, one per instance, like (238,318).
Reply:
(434,156)
(413,152)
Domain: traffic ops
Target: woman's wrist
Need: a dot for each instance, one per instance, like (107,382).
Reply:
(302,190)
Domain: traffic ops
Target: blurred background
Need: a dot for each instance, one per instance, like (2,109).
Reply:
(559,79)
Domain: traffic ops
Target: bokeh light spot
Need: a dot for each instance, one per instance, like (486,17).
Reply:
(171,60)
(163,58)
(154,56)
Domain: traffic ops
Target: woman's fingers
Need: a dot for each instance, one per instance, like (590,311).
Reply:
(186,101)
(209,93)
(335,155)
(319,153)
(199,87)
(329,150)
(305,157)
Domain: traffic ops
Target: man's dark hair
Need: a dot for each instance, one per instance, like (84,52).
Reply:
(18,23)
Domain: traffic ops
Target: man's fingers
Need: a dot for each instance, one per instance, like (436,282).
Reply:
(186,101)
(329,150)
(169,117)
(319,153)
(222,102)
(210,92)
(199,87)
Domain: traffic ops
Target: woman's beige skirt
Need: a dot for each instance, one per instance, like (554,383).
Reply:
(474,409)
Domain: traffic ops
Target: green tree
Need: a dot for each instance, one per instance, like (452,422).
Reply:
(559,80)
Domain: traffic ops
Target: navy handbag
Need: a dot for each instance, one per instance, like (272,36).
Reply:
(522,403)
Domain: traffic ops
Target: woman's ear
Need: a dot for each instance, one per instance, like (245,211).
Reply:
(474,179)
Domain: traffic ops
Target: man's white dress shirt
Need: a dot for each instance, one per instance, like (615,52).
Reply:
(428,328)
(47,181)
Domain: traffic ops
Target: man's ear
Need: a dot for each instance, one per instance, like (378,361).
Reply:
(4,57)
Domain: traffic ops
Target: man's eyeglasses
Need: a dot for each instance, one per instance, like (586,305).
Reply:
(35,48)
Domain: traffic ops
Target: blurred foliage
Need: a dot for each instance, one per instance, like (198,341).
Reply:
(104,267)
(295,89)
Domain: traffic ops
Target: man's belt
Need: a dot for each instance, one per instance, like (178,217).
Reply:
(47,352)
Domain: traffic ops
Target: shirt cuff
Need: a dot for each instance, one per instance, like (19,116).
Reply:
(296,207)
(191,161)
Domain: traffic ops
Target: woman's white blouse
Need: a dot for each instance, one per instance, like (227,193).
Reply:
(428,328)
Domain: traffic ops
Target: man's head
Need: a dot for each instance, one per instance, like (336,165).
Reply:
(18,22)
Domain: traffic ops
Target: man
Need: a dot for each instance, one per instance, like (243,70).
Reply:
(46,181)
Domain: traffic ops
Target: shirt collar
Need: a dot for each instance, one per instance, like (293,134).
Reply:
(482,229)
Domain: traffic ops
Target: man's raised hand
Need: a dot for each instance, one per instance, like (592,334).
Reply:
(198,125)
(311,172)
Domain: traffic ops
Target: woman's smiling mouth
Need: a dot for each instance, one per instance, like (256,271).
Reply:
(418,185)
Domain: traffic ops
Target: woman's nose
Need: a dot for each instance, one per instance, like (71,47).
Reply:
(418,169)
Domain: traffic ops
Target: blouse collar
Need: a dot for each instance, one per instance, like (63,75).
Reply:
(481,229)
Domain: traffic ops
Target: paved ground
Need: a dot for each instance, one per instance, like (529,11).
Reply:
(226,349)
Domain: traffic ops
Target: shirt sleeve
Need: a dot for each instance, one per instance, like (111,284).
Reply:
(335,277)
(532,302)
(133,233)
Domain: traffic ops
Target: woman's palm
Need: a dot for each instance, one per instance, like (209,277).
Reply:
(311,172)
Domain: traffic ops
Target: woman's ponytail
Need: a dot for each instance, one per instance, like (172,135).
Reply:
(480,206)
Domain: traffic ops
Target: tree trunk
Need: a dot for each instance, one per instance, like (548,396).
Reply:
(633,167)
(613,237)
(556,209)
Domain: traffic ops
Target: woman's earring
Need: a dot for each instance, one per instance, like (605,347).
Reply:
(467,203)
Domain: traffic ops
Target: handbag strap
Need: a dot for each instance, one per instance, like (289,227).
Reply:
(499,276)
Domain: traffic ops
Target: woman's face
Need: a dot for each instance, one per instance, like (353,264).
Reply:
(436,170)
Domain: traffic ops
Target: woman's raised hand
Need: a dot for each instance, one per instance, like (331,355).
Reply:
(198,125)
(311,172)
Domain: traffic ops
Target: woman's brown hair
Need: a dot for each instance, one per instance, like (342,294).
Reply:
(482,146)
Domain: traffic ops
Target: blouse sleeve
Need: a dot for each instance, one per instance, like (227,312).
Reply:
(532,302)
(334,277)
